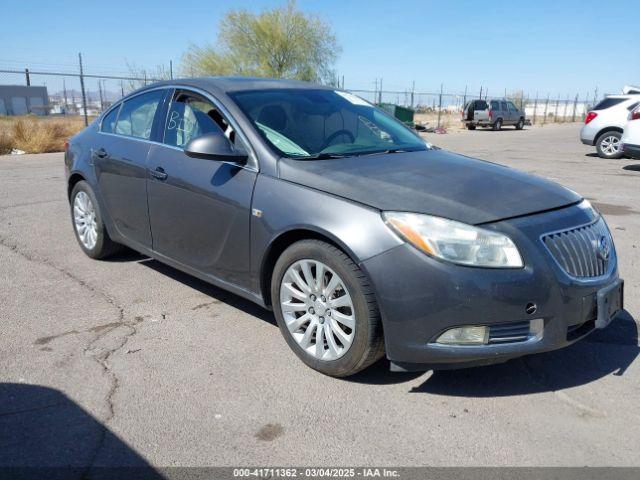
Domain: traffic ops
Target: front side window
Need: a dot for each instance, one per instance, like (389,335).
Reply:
(109,121)
(306,123)
(191,115)
(512,107)
(136,115)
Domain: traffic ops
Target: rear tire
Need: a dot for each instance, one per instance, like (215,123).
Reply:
(88,225)
(471,126)
(608,145)
(520,124)
(497,125)
(366,341)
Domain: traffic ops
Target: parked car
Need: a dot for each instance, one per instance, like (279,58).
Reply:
(604,124)
(494,113)
(630,141)
(361,237)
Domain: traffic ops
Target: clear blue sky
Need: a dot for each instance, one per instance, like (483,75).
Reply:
(564,47)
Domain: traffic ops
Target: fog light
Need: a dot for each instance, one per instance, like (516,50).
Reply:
(469,335)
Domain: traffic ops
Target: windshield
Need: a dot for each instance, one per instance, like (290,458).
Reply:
(308,124)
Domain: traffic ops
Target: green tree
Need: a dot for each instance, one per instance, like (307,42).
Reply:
(282,43)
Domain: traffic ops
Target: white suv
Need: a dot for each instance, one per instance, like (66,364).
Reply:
(604,124)
(630,141)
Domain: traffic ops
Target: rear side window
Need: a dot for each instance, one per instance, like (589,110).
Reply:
(608,103)
(136,115)
(504,106)
(109,121)
(495,105)
(512,107)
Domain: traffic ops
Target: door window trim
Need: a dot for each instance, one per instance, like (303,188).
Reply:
(252,164)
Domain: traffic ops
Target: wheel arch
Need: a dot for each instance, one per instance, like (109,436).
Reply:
(74,178)
(605,130)
(283,241)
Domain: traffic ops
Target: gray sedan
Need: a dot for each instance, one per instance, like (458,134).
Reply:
(364,239)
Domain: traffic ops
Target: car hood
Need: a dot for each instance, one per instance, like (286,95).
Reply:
(435,182)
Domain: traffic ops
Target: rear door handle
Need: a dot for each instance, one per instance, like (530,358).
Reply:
(159,174)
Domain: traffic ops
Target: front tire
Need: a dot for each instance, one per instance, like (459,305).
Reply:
(326,309)
(88,226)
(520,124)
(608,145)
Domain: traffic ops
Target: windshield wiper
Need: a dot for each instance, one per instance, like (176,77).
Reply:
(323,156)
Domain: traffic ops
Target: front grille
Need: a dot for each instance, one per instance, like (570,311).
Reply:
(509,332)
(577,250)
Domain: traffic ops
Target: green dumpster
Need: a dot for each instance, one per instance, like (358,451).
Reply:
(403,114)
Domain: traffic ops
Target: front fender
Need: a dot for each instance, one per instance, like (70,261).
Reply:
(279,207)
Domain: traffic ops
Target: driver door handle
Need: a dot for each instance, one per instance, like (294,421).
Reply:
(159,174)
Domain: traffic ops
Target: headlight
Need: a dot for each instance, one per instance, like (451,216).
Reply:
(454,241)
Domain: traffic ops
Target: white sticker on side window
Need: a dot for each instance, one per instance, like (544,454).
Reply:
(354,99)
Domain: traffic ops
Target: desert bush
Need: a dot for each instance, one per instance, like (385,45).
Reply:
(35,135)
(5,143)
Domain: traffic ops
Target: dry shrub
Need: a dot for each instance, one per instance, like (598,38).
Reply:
(5,143)
(34,135)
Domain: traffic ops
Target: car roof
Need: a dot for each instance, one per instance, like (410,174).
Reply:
(237,84)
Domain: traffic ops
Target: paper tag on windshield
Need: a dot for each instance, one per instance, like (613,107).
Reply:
(354,99)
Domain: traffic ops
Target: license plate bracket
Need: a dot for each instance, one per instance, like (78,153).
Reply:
(609,301)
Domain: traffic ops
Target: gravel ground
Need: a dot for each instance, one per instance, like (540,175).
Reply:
(127,361)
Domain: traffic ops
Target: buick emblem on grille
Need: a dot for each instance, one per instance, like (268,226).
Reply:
(604,248)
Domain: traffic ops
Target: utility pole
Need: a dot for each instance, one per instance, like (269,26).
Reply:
(84,93)
(440,105)
(64,91)
(413,91)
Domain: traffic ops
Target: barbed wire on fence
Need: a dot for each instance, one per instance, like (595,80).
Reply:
(88,94)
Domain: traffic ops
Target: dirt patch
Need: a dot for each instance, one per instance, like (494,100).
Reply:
(270,432)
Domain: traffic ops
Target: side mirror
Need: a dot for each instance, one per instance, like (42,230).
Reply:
(214,146)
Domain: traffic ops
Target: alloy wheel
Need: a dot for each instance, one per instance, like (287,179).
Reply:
(610,145)
(84,218)
(317,309)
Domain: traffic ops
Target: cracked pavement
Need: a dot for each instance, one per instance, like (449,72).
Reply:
(128,361)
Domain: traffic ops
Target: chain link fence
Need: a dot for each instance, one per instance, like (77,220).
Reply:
(78,92)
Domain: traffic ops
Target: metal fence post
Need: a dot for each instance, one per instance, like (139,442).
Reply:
(464,99)
(575,105)
(84,93)
(440,105)
(564,115)
(535,109)
(546,107)
(26,75)
(555,113)
(171,69)
(413,89)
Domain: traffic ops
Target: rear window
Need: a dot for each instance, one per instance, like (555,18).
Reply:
(481,105)
(608,103)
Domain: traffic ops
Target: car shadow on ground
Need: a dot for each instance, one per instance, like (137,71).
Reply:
(634,167)
(603,352)
(44,434)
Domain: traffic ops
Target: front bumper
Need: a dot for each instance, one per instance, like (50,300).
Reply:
(421,297)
